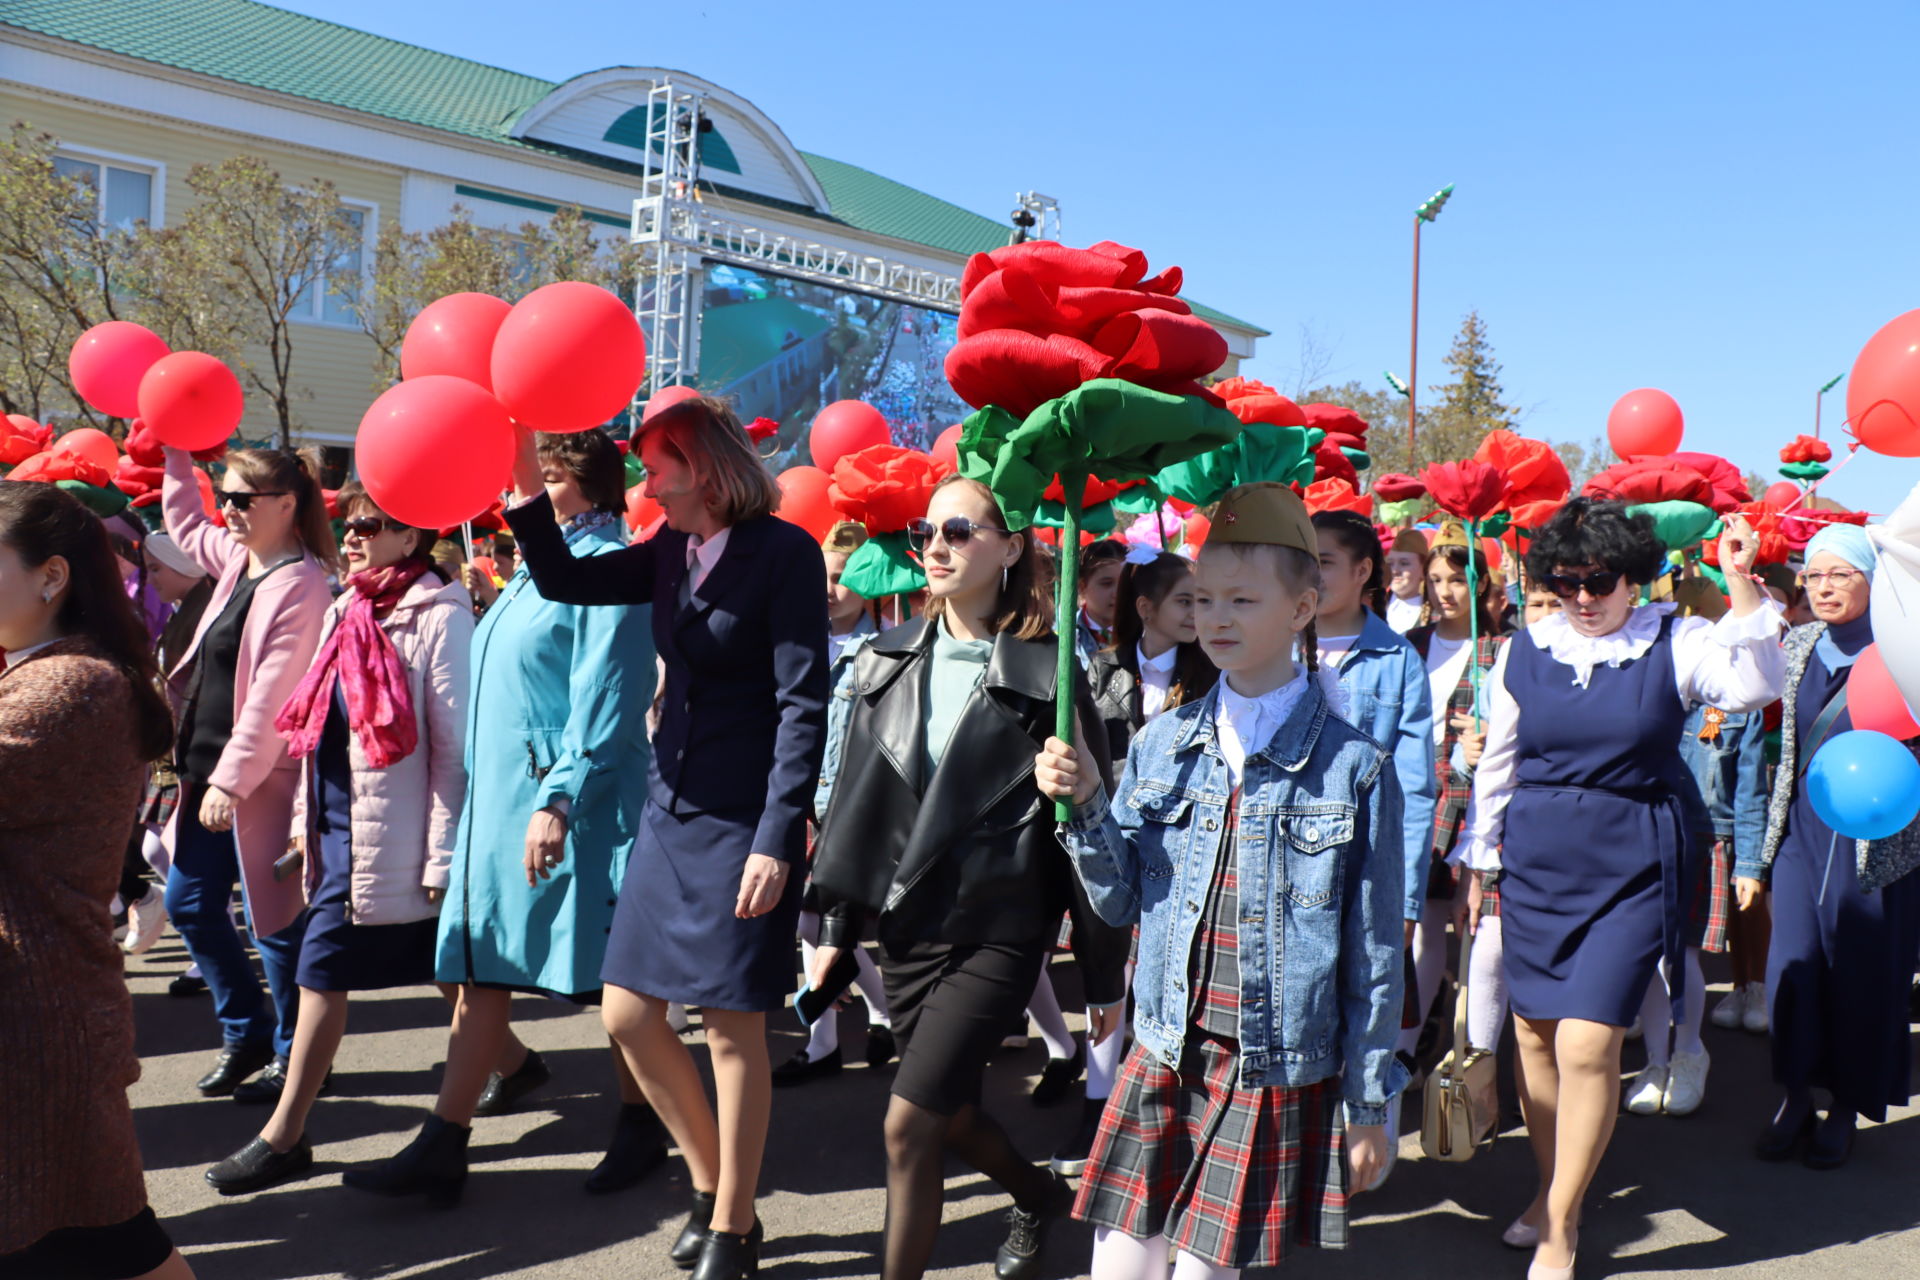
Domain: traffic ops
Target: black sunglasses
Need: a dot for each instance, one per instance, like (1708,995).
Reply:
(240,500)
(367,526)
(957,530)
(1567,586)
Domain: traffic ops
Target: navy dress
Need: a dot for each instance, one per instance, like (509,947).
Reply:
(336,954)
(1842,959)
(1593,881)
(736,758)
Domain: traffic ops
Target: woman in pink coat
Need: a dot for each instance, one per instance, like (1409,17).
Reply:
(255,642)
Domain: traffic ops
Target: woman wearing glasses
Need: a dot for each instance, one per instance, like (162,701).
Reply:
(378,725)
(711,898)
(1846,914)
(1583,803)
(934,830)
(237,783)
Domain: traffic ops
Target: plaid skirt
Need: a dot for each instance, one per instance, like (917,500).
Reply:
(1235,1177)
(1712,900)
(160,800)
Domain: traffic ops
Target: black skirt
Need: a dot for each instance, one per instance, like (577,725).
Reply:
(951,1005)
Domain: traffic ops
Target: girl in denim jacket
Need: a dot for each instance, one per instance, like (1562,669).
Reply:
(1255,839)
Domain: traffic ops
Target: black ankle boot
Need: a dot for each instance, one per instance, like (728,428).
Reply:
(639,1147)
(434,1164)
(692,1243)
(725,1256)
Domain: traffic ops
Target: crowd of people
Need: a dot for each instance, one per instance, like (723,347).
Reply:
(1310,759)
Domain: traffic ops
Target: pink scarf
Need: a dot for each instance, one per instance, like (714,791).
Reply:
(362,657)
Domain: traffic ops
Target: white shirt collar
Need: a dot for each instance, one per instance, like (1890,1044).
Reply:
(1583,653)
(17,656)
(704,553)
(1162,665)
(1245,725)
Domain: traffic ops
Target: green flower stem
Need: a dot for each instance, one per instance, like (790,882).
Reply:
(1065,605)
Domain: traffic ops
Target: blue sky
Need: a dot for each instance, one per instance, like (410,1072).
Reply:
(1709,198)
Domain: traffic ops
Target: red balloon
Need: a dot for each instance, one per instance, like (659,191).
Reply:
(1883,391)
(1645,424)
(191,401)
(568,357)
(666,398)
(1875,701)
(803,500)
(109,360)
(844,427)
(435,451)
(454,335)
(641,510)
(91,443)
(946,449)
(1781,494)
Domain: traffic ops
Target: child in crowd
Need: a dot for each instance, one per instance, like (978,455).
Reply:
(1100,566)
(1225,1139)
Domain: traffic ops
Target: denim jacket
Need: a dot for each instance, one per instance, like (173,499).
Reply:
(1390,700)
(839,712)
(1320,923)
(1731,769)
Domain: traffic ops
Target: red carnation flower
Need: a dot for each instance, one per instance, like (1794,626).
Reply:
(883,486)
(1336,495)
(1806,449)
(1251,400)
(1650,480)
(1470,490)
(762,429)
(1395,487)
(1768,526)
(1535,473)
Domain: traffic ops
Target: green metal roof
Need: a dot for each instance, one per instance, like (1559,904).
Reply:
(284,52)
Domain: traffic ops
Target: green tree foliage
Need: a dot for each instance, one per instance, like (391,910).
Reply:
(1473,395)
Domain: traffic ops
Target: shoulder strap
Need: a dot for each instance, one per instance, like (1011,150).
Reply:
(1460,1048)
(1817,736)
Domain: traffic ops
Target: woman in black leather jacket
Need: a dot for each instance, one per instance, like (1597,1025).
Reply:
(936,835)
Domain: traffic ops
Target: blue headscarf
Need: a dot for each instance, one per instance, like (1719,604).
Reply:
(1849,542)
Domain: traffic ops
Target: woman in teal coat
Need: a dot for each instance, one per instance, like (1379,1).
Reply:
(557,776)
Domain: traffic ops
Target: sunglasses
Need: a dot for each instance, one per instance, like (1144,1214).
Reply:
(1568,586)
(957,530)
(241,501)
(367,526)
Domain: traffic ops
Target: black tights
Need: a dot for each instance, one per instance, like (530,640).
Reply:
(917,1143)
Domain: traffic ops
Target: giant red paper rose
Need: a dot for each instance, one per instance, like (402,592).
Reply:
(1395,487)
(1471,490)
(1331,464)
(1650,480)
(1037,319)
(1800,524)
(1336,495)
(1251,400)
(1729,486)
(1096,491)
(1534,472)
(1768,527)
(1337,420)
(21,437)
(50,468)
(1806,449)
(883,486)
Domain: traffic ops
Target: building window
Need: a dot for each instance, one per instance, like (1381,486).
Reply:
(330,298)
(123,194)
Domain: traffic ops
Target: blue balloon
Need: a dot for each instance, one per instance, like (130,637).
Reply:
(1864,785)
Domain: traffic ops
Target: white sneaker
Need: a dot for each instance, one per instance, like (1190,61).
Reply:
(1687,1083)
(146,921)
(1731,1010)
(1649,1092)
(1755,1017)
(677,1017)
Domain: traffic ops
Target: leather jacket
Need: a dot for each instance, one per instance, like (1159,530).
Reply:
(970,854)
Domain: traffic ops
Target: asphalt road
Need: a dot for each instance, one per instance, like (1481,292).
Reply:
(1675,1196)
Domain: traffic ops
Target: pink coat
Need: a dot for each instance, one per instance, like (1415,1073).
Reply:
(405,815)
(276,647)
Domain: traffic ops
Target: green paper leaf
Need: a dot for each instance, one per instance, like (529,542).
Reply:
(1496,524)
(1402,512)
(1716,576)
(636,473)
(102,501)
(1679,525)
(1804,472)
(1262,451)
(1097,519)
(1138,501)
(883,566)
(1361,461)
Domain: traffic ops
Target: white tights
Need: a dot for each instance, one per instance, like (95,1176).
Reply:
(1104,1059)
(1656,1013)
(1044,1009)
(1429,965)
(1119,1256)
(1487,987)
(825,1037)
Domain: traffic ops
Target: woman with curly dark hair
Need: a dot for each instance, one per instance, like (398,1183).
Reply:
(1583,803)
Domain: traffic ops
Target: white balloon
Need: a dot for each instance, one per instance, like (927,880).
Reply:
(1896,595)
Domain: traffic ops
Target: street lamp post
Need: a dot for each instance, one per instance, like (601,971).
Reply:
(1818,397)
(1425,213)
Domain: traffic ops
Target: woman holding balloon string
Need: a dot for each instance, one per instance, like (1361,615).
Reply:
(1846,912)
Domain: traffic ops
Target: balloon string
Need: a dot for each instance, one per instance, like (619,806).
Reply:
(1828,873)
(466,533)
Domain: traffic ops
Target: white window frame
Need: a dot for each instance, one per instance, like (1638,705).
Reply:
(155,169)
(369,237)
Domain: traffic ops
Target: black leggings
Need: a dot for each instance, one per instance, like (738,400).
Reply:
(133,868)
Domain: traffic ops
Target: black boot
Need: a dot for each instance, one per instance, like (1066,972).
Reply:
(258,1166)
(434,1164)
(692,1243)
(725,1256)
(639,1147)
(502,1092)
(1019,1258)
(1070,1161)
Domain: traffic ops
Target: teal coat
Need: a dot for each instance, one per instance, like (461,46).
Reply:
(559,707)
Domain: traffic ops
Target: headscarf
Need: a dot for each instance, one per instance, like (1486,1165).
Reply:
(1849,542)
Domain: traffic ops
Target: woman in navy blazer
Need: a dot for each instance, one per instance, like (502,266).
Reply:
(712,891)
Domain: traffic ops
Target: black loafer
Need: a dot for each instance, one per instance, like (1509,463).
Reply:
(881,1047)
(1058,1076)
(1020,1257)
(1777,1144)
(235,1063)
(187,985)
(798,1069)
(502,1092)
(264,1090)
(257,1166)
(692,1241)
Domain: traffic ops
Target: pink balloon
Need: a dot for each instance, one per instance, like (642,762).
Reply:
(435,451)
(191,401)
(454,335)
(1875,701)
(946,448)
(1781,494)
(1645,424)
(568,357)
(844,427)
(109,360)
(664,399)
(91,443)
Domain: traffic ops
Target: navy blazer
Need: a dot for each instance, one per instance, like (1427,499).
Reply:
(744,719)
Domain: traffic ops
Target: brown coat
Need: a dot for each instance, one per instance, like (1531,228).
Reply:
(70,780)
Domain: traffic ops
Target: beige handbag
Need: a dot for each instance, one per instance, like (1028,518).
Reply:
(1463,1099)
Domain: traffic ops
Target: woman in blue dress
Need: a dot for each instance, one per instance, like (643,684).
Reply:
(1583,803)
(1846,914)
